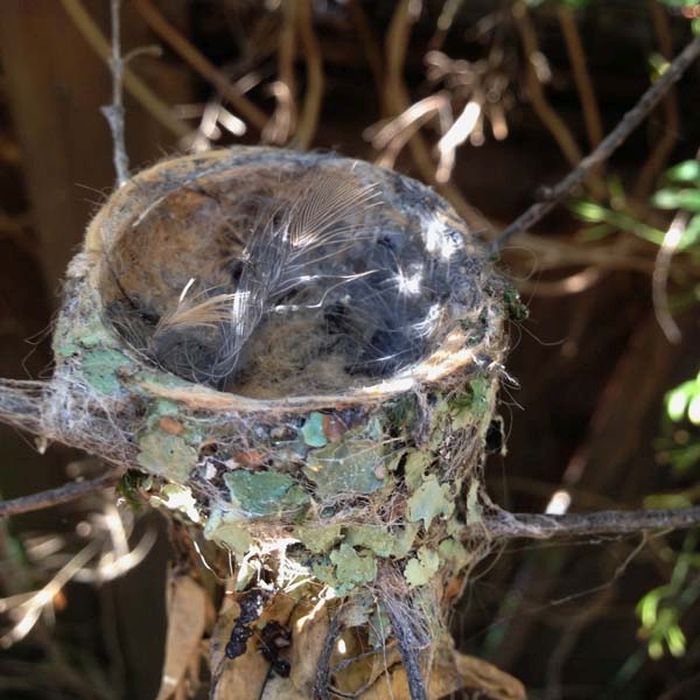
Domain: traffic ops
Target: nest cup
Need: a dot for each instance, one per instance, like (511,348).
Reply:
(344,443)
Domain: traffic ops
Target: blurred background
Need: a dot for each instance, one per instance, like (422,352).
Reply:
(490,102)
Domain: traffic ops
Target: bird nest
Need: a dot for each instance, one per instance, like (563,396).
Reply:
(302,352)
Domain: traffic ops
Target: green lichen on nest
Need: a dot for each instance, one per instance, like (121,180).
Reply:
(343,546)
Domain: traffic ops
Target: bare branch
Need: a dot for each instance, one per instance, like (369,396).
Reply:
(323,668)
(160,111)
(62,494)
(505,525)
(21,404)
(308,121)
(200,63)
(607,147)
(114,113)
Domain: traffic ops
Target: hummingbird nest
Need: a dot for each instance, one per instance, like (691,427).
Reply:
(302,352)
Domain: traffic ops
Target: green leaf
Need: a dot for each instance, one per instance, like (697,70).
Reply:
(225,528)
(597,232)
(689,199)
(178,497)
(684,172)
(589,211)
(166,455)
(691,235)
(648,606)
(454,552)
(414,469)
(666,198)
(318,539)
(675,640)
(373,537)
(678,399)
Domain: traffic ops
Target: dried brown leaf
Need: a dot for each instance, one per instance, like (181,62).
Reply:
(451,672)
(187,617)
(309,631)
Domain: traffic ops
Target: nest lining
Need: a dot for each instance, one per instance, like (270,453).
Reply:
(379,289)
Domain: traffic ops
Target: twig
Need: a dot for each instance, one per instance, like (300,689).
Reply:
(200,63)
(540,104)
(582,78)
(397,101)
(659,279)
(323,668)
(114,113)
(536,526)
(607,147)
(160,111)
(373,52)
(409,649)
(308,121)
(283,121)
(21,403)
(53,497)
(668,133)
(35,603)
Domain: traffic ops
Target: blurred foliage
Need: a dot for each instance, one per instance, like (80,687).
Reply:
(661,609)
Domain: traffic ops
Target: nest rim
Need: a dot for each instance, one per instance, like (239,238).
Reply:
(137,196)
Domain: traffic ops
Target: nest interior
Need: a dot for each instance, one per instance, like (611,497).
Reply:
(208,282)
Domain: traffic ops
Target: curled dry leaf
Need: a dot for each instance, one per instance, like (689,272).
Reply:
(188,609)
(452,672)
(310,627)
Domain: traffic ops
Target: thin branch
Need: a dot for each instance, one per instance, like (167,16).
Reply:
(397,101)
(284,119)
(323,668)
(409,649)
(308,120)
(115,112)
(542,107)
(607,147)
(505,525)
(21,403)
(53,497)
(582,78)
(372,48)
(659,280)
(158,109)
(200,63)
(665,137)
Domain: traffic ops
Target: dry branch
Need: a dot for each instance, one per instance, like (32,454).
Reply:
(200,63)
(506,525)
(308,121)
(53,497)
(160,111)
(114,113)
(607,147)
(544,110)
